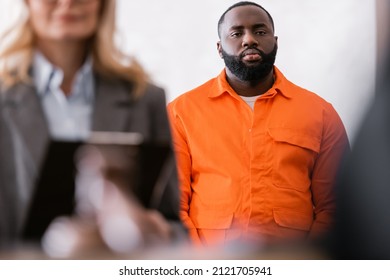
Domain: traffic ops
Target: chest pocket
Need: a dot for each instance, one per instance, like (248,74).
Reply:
(293,154)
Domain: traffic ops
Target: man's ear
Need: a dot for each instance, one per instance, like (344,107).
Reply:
(219,48)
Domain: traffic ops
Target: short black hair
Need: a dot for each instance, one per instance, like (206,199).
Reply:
(239,4)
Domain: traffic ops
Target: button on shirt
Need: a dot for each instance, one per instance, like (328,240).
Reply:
(266,173)
(69,117)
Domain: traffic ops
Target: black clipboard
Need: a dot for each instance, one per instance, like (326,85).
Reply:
(150,166)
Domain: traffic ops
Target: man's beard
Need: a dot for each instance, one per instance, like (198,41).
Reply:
(249,73)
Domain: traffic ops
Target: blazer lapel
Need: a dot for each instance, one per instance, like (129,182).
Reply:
(112,109)
(28,126)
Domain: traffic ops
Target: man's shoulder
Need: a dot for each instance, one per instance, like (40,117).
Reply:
(297,92)
(305,95)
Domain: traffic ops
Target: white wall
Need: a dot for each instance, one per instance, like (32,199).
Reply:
(328,47)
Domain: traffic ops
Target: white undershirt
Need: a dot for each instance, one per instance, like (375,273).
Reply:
(250,100)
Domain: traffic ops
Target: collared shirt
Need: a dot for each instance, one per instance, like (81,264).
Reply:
(69,117)
(263,174)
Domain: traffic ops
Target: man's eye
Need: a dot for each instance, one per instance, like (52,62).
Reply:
(260,32)
(235,34)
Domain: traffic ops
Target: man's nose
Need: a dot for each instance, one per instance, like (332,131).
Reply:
(249,40)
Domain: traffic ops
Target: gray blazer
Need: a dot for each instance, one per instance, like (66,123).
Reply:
(24,137)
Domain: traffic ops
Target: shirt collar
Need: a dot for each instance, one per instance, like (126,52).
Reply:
(46,76)
(281,85)
(42,72)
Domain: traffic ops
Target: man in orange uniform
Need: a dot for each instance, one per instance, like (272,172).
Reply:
(257,155)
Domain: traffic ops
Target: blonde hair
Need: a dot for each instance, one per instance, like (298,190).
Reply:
(108,60)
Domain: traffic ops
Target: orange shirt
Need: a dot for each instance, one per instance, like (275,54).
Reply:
(267,173)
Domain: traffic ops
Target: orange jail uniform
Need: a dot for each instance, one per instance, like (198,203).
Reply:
(266,173)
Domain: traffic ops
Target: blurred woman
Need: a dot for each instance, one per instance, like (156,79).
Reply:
(61,77)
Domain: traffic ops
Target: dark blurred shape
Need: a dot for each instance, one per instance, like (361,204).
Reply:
(363,225)
(54,193)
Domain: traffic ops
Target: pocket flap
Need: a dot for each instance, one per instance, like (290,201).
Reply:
(293,219)
(296,137)
(211,219)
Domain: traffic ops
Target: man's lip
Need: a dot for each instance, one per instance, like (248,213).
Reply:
(251,55)
(251,52)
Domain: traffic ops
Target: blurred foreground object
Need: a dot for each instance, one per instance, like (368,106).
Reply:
(363,217)
(109,215)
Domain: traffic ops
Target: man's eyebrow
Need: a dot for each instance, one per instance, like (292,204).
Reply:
(257,25)
(260,25)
